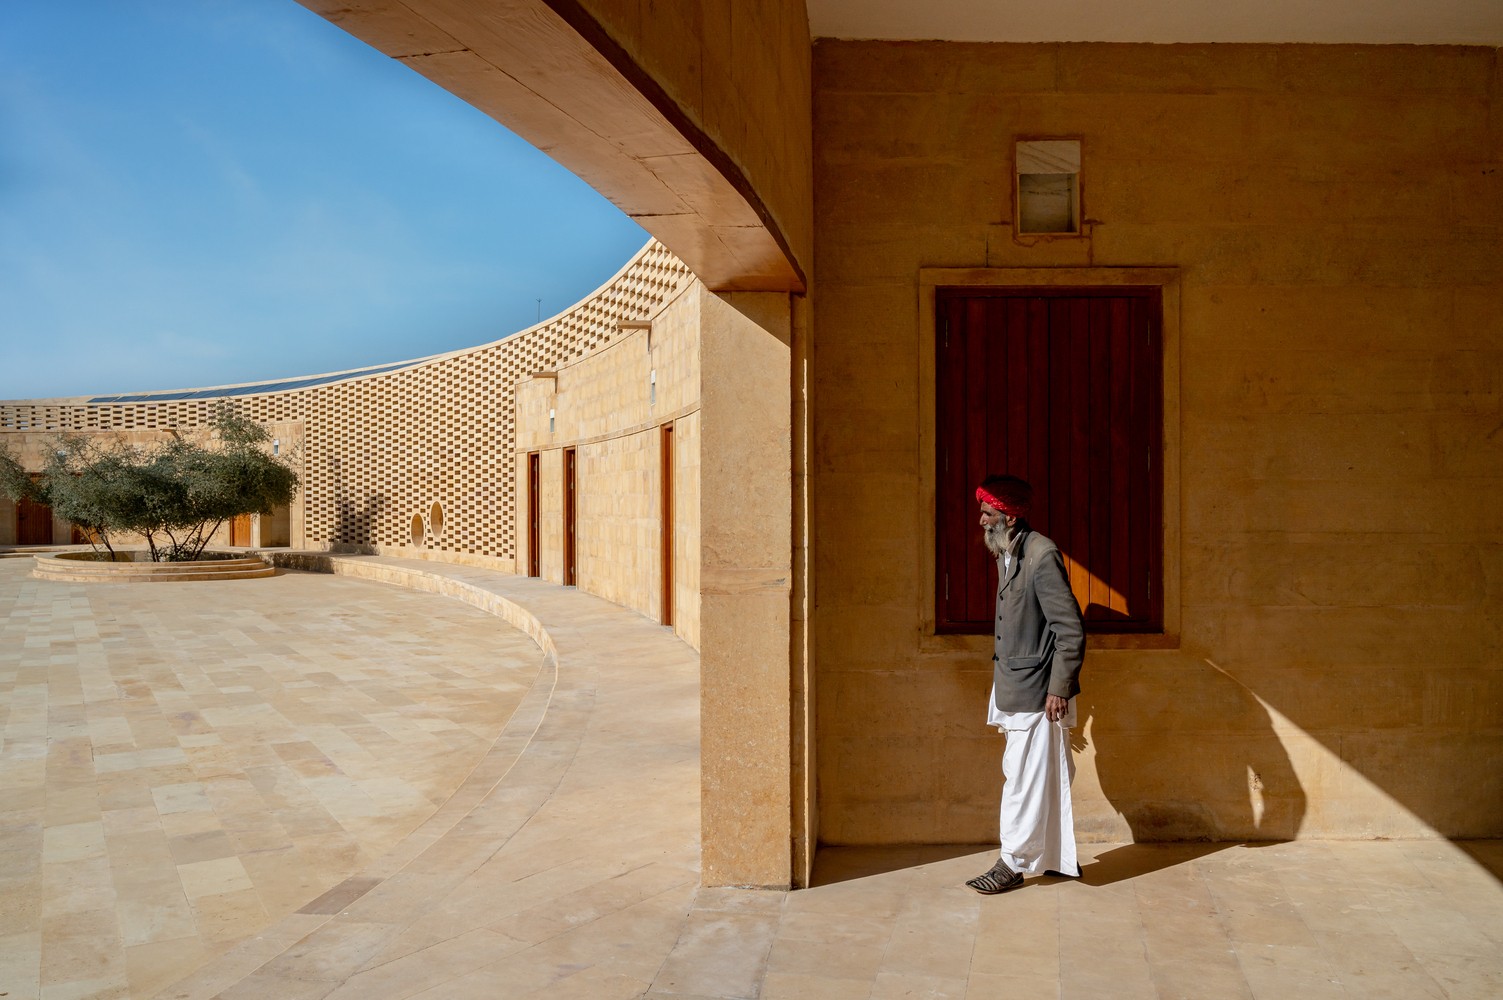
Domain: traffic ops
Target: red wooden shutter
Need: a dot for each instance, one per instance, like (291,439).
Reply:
(1060,387)
(571,516)
(534,514)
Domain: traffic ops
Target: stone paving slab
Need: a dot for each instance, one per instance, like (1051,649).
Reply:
(183,765)
(567,866)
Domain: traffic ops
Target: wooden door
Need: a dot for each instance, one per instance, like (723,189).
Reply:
(534,516)
(240,530)
(666,506)
(571,487)
(33,523)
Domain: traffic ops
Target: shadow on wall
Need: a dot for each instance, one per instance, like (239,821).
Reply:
(354,527)
(1378,665)
(1185,755)
(1183,752)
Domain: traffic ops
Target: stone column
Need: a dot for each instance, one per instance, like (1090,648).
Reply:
(746,572)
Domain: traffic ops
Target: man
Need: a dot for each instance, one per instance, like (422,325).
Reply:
(1037,652)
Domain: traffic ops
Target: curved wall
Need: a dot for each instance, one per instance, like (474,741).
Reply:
(630,414)
(738,77)
(692,119)
(378,448)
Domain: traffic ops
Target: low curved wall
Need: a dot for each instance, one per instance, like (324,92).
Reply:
(82,567)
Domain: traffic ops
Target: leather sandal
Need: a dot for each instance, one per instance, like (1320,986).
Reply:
(999,878)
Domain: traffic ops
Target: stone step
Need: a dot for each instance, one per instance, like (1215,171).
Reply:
(72,567)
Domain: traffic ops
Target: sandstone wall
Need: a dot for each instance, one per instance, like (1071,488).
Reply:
(611,407)
(740,73)
(1335,216)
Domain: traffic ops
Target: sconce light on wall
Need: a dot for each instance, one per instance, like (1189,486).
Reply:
(652,385)
(550,420)
(276,446)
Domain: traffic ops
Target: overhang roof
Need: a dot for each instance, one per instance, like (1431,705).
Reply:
(1434,22)
(551,72)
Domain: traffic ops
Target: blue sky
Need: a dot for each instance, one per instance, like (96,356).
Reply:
(198,192)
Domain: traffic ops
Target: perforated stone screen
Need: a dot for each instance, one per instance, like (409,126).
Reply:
(383,446)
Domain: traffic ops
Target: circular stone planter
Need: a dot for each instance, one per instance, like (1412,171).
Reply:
(135,566)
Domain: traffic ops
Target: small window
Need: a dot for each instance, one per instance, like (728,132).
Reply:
(1048,186)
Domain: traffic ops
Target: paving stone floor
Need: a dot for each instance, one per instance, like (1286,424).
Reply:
(564,861)
(184,765)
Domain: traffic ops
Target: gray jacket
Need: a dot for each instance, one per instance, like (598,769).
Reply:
(1040,636)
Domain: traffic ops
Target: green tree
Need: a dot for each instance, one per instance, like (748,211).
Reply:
(15,481)
(175,495)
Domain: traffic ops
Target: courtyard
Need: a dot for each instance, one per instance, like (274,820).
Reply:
(340,785)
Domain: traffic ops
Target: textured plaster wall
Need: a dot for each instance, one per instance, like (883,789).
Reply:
(1336,216)
(605,408)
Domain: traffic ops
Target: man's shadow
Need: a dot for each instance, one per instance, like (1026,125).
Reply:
(1187,757)
(1188,764)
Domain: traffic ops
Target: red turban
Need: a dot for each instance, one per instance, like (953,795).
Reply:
(1008,494)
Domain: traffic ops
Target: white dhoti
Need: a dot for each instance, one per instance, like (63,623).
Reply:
(1037,820)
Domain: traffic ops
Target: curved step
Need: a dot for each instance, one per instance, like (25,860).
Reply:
(68,567)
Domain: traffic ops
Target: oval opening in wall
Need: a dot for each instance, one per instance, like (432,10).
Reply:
(436,520)
(417,529)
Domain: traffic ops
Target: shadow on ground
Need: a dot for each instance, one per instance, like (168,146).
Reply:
(846,864)
(1129,861)
(1111,865)
(1487,853)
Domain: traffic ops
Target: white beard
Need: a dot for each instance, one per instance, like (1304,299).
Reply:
(997,538)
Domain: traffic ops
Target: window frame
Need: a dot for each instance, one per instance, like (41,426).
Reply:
(1061,280)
